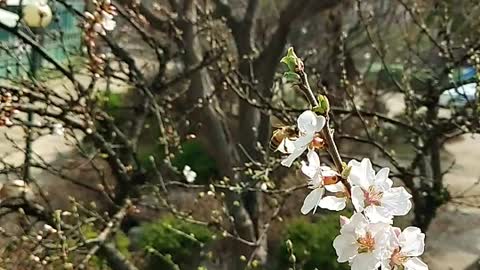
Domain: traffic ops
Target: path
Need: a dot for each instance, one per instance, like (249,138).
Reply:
(453,239)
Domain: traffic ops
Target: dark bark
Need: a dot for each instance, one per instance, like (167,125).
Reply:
(431,194)
(215,133)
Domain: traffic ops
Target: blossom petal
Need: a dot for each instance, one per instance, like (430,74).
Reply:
(321,121)
(362,173)
(358,198)
(382,175)
(344,220)
(378,214)
(313,166)
(312,200)
(365,261)
(189,174)
(286,146)
(332,203)
(357,221)
(287,162)
(307,122)
(337,187)
(382,180)
(328,171)
(385,185)
(415,264)
(412,241)
(397,200)
(345,246)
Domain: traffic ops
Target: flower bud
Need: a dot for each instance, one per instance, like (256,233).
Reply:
(289,244)
(291,60)
(323,105)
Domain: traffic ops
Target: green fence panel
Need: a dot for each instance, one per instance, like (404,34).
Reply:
(63,37)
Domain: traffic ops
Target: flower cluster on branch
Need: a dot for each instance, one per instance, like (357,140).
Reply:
(367,240)
(96,23)
(7,109)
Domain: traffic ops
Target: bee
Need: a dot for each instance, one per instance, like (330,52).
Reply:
(281,136)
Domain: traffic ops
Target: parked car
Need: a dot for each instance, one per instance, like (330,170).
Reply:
(463,91)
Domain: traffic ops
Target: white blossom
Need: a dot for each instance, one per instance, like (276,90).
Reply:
(338,200)
(373,193)
(319,179)
(405,248)
(189,174)
(361,243)
(309,124)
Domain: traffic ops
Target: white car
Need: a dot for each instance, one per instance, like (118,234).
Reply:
(459,96)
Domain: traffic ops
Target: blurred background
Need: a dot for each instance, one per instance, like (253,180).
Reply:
(135,134)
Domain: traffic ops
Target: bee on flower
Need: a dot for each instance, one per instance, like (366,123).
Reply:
(309,124)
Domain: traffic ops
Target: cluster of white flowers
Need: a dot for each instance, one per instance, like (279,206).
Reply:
(367,240)
(190,175)
(376,245)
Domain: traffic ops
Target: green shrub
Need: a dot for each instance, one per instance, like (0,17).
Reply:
(122,243)
(192,154)
(195,156)
(171,241)
(312,244)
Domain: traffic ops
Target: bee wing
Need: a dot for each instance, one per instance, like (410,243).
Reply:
(277,125)
(277,122)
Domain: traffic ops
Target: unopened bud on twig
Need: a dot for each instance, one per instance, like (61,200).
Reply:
(292,61)
(323,105)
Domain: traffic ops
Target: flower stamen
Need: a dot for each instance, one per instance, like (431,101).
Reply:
(366,243)
(372,196)
(397,259)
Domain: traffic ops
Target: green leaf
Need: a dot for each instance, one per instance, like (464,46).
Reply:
(290,59)
(323,105)
(346,172)
(291,77)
